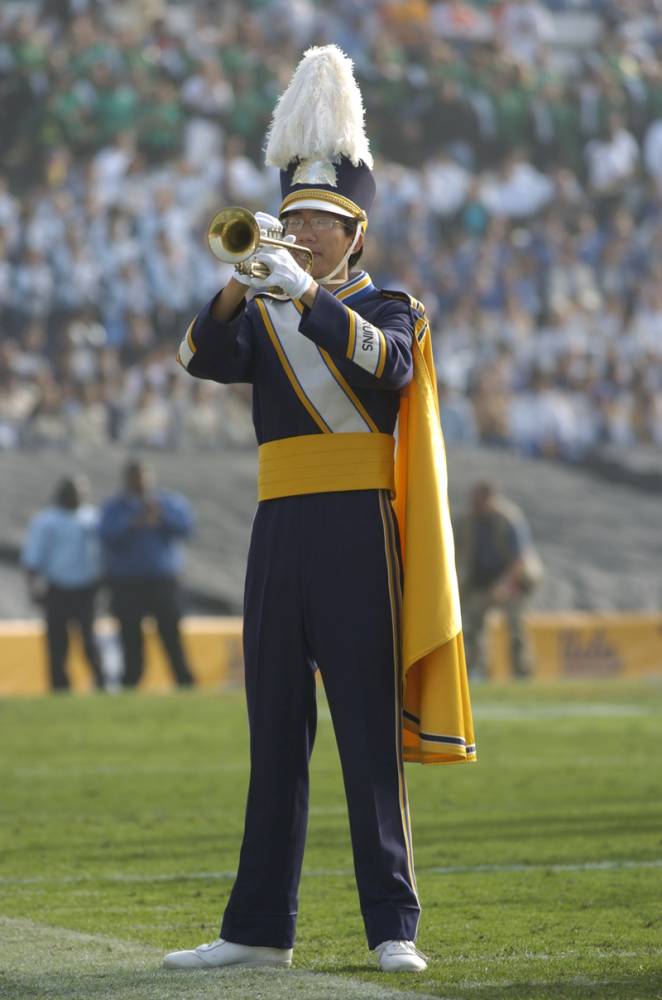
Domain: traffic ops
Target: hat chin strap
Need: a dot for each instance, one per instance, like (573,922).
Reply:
(328,278)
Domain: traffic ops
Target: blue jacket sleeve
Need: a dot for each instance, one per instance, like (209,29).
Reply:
(176,515)
(34,547)
(218,351)
(379,351)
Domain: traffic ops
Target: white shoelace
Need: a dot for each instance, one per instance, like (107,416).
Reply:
(400,947)
(212,944)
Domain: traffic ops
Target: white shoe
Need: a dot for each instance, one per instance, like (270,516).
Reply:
(400,956)
(220,953)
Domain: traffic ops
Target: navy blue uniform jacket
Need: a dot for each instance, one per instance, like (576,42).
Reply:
(338,366)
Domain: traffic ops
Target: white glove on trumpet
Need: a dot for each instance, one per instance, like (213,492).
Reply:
(284,271)
(267,223)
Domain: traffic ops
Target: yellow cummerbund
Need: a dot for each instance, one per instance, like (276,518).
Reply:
(325,463)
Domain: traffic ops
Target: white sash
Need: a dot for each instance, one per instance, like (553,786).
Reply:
(313,376)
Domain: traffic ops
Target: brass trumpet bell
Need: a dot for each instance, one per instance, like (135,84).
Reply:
(234,236)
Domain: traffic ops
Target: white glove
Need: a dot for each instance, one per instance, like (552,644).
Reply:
(266,222)
(285,272)
(243,279)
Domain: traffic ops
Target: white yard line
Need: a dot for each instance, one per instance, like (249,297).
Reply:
(580,866)
(58,962)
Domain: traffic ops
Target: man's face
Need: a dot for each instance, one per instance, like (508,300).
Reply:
(139,479)
(329,245)
(481,500)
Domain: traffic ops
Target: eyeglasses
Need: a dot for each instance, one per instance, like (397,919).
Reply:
(319,223)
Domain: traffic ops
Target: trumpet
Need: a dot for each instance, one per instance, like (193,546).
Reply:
(234,236)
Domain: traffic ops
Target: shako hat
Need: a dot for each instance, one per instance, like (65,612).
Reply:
(317,138)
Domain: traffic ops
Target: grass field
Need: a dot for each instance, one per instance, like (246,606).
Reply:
(539,867)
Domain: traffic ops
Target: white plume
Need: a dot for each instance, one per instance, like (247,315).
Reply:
(320,115)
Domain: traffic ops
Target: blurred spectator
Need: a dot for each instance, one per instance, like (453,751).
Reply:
(498,569)
(148,423)
(47,425)
(525,27)
(142,528)
(89,418)
(207,96)
(460,21)
(458,419)
(446,184)
(517,190)
(653,152)
(570,282)
(17,399)
(612,161)
(62,558)
(199,423)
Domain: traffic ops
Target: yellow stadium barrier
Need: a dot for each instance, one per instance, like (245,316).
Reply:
(572,645)
(213,646)
(581,645)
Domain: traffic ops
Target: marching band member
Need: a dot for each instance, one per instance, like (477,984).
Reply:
(334,363)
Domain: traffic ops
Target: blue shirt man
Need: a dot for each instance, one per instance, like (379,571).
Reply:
(142,536)
(62,546)
(62,558)
(142,528)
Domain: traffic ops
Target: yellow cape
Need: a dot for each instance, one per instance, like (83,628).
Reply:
(437,721)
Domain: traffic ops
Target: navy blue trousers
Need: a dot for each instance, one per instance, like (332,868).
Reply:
(323,588)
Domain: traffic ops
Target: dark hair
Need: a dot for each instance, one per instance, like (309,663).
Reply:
(68,493)
(483,490)
(132,466)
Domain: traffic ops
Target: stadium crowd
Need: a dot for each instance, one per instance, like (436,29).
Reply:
(519,164)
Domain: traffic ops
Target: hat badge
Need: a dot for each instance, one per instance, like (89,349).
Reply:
(312,171)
